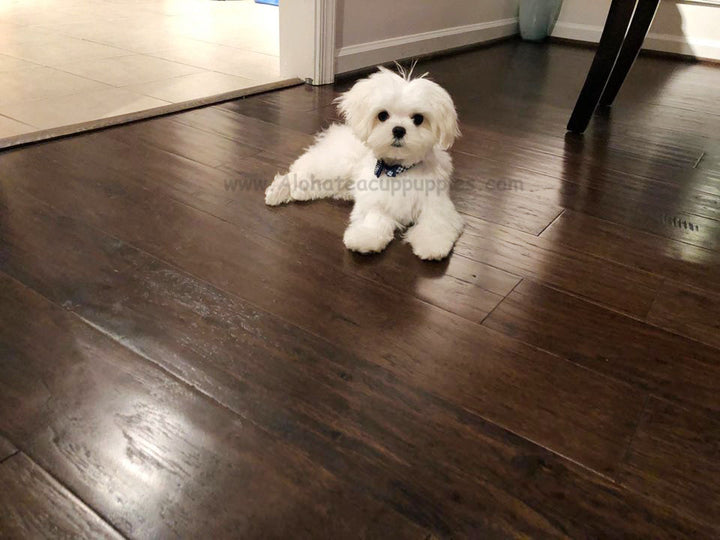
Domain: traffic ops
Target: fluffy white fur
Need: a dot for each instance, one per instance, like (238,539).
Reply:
(341,163)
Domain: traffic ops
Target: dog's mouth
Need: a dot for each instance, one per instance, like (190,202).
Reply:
(397,143)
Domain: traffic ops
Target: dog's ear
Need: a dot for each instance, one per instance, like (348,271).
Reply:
(444,121)
(357,108)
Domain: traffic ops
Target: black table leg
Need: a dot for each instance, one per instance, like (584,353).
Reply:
(616,26)
(639,27)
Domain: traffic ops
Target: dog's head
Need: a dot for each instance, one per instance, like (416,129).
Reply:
(398,117)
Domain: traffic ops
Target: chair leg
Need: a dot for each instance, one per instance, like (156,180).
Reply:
(616,26)
(639,27)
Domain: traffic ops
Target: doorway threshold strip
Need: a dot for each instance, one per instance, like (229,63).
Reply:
(101,123)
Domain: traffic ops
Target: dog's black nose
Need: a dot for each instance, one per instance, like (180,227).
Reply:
(399,132)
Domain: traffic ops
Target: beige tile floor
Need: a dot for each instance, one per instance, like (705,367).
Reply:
(66,62)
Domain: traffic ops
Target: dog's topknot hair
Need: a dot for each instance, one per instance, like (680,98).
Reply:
(407,73)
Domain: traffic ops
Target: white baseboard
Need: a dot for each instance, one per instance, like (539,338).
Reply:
(373,53)
(708,49)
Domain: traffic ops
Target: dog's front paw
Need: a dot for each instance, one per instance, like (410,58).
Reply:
(430,245)
(279,191)
(364,239)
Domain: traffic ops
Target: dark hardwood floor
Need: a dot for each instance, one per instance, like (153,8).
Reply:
(177,359)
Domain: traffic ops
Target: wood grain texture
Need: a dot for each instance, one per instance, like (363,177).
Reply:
(153,455)
(620,287)
(569,181)
(468,288)
(501,379)
(189,362)
(675,455)
(429,460)
(252,132)
(35,505)
(671,259)
(168,135)
(688,311)
(669,365)
(6,448)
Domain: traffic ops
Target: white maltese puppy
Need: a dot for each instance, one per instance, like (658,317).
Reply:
(391,158)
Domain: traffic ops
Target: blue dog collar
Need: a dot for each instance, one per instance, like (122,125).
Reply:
(390,170)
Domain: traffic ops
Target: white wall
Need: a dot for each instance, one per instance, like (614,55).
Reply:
(691,28)
(370,32)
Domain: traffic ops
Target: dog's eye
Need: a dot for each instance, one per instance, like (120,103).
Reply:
(383,115)
(417,119)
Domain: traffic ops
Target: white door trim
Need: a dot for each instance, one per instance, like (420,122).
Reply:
(324,42)
(307,40)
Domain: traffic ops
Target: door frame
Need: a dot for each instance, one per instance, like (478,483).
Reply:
(307,40)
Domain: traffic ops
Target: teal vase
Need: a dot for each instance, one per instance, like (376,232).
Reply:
(537,18)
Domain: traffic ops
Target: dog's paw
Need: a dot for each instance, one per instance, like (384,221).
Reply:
(430,245)
(278,192)
(365,239)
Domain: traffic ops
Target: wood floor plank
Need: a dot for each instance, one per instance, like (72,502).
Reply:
(468,288)
(661,144)
(569,182)
(674,367)
(675,455)
(288,112)
(151,454)
(170,136)
(35,505)
(194,185)
(686,86)
(688,311)
(251,132)
(495,200)
(303,98)
(537,124)
(598,191)
(6,448)
(509,383)
(676,260)
(620,287)
(189,362)
(436,463)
